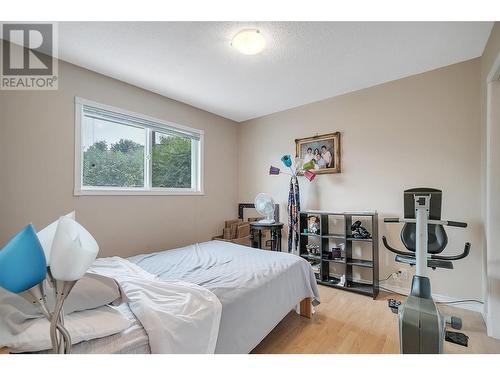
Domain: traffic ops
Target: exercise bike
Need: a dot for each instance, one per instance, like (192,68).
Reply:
(421,326)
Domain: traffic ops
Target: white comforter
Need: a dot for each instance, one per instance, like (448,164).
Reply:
(179,317)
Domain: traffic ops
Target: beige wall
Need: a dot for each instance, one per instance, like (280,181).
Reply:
(418,131)
(37,164)
(421,131)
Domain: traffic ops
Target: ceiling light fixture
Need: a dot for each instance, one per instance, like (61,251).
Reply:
(249,41)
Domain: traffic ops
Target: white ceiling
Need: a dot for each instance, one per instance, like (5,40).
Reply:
(304,62)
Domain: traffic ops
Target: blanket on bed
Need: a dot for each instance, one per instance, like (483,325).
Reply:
(179,317)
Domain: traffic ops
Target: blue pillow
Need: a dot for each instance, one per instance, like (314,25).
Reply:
(22,262)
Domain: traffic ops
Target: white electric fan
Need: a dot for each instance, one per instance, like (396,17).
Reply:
(264,204)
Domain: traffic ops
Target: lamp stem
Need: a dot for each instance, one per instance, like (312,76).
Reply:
(36,295)
(62,343)
(58,348)
(63,288)
(60,340)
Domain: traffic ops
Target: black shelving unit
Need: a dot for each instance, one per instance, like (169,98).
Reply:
(343,237)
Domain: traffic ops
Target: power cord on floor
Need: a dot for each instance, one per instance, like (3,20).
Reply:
(387,278)
(438,302)
(393,275)
(460,301)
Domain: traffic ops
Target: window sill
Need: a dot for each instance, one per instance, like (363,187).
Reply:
(136,192)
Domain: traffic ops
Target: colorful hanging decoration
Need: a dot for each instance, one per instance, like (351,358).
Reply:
(308,166)
(293,215)
(293,207)
(274,170)
(287,160)
(309,175)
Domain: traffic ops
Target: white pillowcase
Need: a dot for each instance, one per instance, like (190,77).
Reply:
(82,326)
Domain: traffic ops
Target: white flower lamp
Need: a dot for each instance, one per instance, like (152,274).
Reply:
(73,250)
(46,236)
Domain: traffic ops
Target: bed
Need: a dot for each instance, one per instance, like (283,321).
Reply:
(256,288)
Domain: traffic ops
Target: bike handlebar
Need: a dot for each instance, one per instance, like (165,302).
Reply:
(399,252)
(391,220)
(449,223)
(454,257)
(458,224)
(464,254)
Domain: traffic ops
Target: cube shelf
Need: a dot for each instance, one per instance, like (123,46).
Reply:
(347,259)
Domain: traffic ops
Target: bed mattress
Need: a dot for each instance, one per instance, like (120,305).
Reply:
(257,288)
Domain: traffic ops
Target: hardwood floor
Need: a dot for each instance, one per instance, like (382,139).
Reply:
(350,323)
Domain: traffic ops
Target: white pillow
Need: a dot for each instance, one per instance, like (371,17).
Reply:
(46,236)
(82,326)
(90,292)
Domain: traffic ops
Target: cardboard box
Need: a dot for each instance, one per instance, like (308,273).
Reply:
(235,231)
(229,223)
(245,241)
(226,233)
(243,230)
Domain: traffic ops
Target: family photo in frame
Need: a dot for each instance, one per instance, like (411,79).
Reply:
(322,150)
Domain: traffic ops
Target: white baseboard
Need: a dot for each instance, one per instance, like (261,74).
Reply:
(472,306)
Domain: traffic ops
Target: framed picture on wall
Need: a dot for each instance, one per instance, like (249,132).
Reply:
(322,150)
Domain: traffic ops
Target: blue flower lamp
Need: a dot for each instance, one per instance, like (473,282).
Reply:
(23,269)
(22,262)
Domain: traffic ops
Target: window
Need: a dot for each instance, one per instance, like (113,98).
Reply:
(118,152)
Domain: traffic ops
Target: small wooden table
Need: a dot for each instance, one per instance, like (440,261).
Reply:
(256,228)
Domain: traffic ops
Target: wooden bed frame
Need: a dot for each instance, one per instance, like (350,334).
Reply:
(306,308)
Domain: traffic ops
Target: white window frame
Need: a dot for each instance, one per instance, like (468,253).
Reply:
(197,157)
